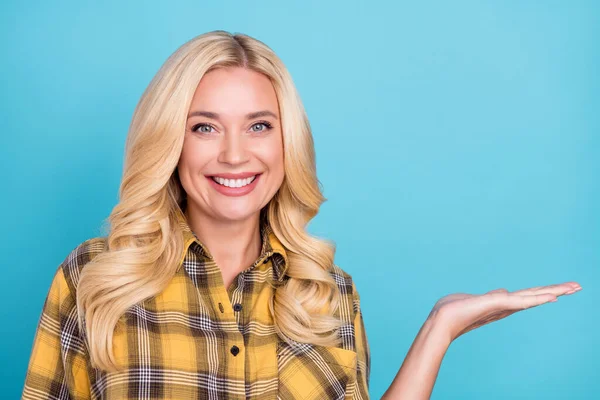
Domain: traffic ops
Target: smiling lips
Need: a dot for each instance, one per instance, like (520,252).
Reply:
(234,184)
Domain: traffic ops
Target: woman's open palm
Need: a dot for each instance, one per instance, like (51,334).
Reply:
(462,312)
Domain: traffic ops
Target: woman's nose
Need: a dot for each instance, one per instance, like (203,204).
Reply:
(233,149)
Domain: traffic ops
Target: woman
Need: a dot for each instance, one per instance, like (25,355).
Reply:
(208,285)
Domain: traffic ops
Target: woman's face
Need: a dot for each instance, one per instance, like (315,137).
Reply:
(232,159)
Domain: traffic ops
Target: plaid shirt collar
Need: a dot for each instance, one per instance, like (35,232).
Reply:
(271,245)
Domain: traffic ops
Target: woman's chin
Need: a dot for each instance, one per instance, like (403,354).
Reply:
(236,214)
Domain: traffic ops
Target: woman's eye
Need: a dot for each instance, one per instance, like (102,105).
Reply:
(202,128)
(263,126)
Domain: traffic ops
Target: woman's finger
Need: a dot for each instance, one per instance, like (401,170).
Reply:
(548,288)
(522,302)
(557,290)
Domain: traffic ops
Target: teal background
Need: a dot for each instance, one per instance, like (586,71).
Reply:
(457,143)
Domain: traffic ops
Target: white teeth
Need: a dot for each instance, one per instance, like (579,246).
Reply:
(236,183)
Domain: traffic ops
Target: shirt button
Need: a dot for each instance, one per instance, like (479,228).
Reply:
(221,308)
(235,350)
(237,307)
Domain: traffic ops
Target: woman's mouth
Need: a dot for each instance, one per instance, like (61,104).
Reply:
(234,187)
(233,183)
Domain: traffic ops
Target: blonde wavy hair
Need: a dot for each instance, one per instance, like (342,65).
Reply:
(144,241)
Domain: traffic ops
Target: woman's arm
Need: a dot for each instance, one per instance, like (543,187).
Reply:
(418,373)
(453,316)
(57,366)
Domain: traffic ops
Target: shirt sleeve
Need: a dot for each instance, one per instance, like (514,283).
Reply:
(58,363)
(362,349)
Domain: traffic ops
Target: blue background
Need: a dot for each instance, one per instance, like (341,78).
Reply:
(458,144)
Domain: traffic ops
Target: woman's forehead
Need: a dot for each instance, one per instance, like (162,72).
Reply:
(234,91)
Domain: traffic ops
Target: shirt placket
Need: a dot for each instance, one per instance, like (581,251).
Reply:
(227,356)
(228,312)
(236,295)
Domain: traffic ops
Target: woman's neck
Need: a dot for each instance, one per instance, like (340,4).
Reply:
(234,245)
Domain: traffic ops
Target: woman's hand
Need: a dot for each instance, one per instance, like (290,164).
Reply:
(460,313)
(452,316)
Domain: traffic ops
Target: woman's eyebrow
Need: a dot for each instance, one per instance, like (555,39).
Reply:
(212,115)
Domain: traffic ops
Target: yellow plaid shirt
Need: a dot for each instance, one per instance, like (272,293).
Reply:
(198,339)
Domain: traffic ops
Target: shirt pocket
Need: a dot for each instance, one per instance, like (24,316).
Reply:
(309,371)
